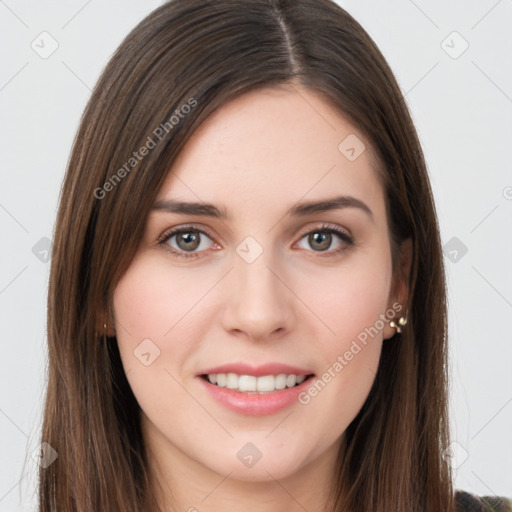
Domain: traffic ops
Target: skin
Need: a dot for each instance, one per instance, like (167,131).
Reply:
(256,157)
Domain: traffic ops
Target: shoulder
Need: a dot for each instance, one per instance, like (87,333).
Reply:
(468,502)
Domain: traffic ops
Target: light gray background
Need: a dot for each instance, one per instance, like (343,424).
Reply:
(461,106)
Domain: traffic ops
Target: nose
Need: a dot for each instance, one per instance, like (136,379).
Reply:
(259,302)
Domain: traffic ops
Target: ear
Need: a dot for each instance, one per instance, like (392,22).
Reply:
(399,293)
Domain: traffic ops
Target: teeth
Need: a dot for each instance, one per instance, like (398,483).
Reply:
(265,384)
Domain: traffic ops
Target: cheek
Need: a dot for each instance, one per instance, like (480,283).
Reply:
(352,300)
(150,300)
(352,306)
(154,309)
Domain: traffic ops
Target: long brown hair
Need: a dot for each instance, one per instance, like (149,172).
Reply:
(183,61)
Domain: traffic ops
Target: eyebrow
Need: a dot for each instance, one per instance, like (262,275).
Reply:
(298,210)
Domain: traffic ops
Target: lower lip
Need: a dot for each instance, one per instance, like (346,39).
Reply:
(252,403)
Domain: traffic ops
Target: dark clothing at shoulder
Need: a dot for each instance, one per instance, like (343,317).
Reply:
(468,502)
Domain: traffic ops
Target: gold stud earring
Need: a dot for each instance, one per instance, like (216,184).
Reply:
(399,323)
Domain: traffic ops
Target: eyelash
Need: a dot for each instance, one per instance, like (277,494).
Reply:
(347,239)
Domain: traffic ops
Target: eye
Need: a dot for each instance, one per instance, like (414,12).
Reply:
(186,239)
(189,241)
(321,239)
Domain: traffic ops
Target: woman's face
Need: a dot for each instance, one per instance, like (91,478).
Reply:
(270,284)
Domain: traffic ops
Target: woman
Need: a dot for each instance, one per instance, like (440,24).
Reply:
(247,297)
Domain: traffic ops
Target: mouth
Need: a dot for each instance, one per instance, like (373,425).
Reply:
(256,385)
(255,390)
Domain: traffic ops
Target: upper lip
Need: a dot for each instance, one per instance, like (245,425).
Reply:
(241,368)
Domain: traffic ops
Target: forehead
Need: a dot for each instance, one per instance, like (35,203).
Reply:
(272,147)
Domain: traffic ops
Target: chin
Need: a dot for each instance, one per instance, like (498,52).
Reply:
(262,463)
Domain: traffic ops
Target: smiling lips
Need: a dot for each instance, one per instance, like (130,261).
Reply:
(251,390)
(264,378)
(266,383)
